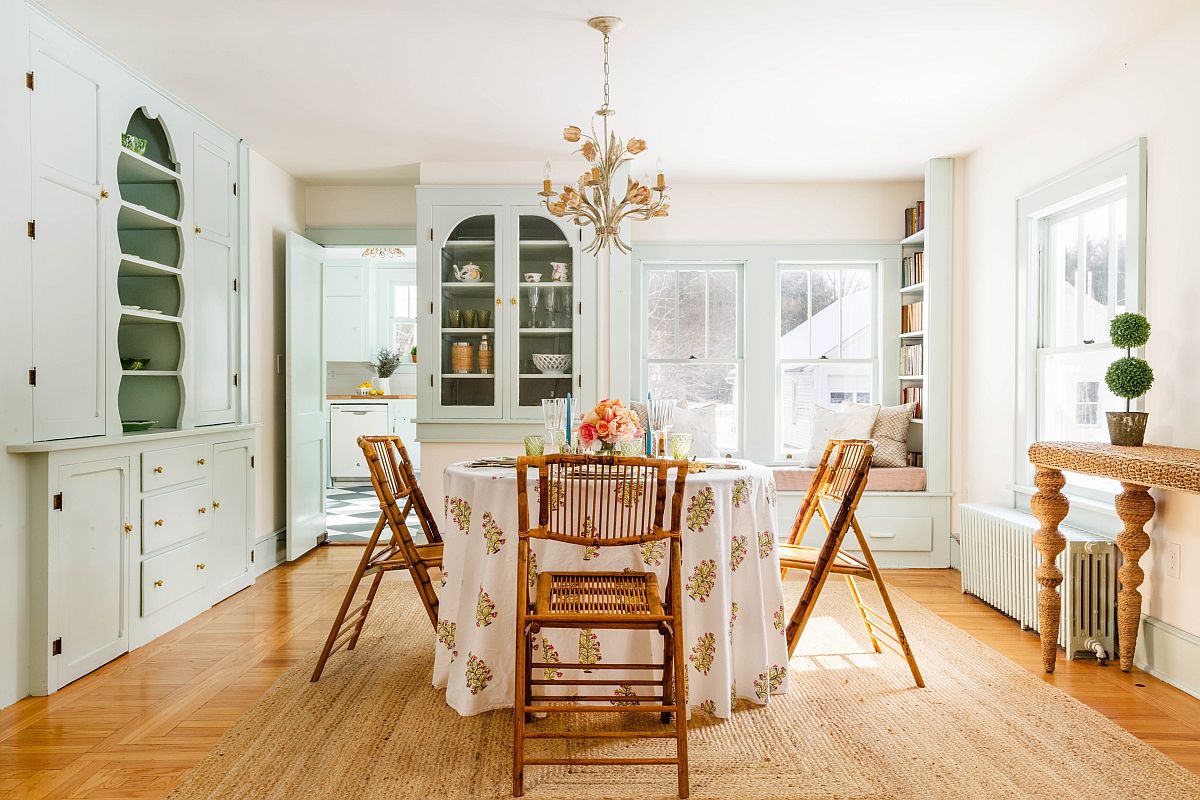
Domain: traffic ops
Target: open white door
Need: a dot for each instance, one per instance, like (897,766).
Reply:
(304,397)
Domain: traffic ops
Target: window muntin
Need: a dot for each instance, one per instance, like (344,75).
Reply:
(402,318)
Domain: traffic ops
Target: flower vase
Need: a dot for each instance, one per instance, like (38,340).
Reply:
(607,449)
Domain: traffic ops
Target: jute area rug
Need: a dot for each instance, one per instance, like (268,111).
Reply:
(852,726)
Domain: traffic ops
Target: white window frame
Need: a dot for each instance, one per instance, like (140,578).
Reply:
(1098,181)
(780,361)
(739,359)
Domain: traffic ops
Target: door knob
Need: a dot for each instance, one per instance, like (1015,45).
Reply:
(128,528)
(158,582)
(499,301)
(216,504)
(158,523)
(103,193)
(200,461)
(513,300)
(201,565)
(158,470)
(197,229)
(203,509)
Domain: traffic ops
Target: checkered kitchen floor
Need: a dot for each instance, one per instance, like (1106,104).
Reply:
(351,513)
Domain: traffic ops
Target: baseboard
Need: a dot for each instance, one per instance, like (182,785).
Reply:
(1170,654)
(270,551)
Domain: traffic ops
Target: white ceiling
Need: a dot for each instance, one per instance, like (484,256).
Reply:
(341,91)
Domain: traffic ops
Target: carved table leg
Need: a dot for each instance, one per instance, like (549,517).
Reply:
(1050,507)
(1135,507)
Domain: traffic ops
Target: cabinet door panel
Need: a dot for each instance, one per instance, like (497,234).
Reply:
(344,329)
(230,537)
(213,269)
(90,551)
(67,252)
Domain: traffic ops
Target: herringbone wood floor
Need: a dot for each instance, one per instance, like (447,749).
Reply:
(132,728)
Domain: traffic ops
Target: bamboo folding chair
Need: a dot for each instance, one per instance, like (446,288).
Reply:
(394,481)
(841,478)
(599,501)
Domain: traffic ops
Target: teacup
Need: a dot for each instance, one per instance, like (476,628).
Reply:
(533,277)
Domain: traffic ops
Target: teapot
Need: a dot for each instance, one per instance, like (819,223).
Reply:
(470,273)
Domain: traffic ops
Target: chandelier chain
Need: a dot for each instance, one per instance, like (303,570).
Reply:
(605,106)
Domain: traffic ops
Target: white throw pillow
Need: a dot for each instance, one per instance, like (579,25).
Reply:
(839,423)
(701,423)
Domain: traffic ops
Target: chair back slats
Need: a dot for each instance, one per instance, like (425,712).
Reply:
(598,500)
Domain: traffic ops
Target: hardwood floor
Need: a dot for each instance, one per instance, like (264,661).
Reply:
(134,727)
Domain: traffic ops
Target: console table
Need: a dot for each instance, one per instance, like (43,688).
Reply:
(1138,469)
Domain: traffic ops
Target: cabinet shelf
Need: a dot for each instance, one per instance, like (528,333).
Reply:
(545,331)
(133,168)
(138,317)
(916,238)
(138,267)
(466,375)
(914,288)
(566,376)
(470,243)
(912,377)
(466,331)
(150,373)
(547,284)
(912,335)
(133,217)
(463,289)
(563,243)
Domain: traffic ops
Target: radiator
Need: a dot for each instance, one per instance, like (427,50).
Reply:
(998,566)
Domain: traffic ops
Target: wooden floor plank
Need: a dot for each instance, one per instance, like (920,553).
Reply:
(134,727)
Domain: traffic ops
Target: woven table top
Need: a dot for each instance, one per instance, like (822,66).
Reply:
(1150,465)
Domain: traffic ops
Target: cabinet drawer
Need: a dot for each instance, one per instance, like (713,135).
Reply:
(172,517)
(906,534)
(174,465)
(172,576)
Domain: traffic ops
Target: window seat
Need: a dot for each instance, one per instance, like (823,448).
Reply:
(879,479)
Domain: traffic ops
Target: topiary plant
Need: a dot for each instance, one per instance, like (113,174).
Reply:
(1129,377)
(386,362)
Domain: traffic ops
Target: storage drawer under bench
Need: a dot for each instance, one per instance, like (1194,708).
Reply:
(174,465)
(175,516)
(173,576)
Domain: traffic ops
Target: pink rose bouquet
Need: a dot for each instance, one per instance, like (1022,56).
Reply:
(610,422)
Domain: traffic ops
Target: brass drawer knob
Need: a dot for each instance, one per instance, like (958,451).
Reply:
(158,470)
(513,300)
(197,229)
(203,509)
(158,523)
(103,194)
(216,504)
(200,462)
(499,301)
(128,527)
(201,565)
(158,583)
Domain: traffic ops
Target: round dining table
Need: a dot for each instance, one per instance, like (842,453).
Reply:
(733,615)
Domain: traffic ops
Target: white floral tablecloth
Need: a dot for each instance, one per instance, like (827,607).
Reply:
(733,597)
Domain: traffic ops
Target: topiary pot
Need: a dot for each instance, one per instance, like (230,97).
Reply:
(1127,428)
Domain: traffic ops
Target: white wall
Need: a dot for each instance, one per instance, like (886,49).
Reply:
(783,212)
(277,203)
(16,356)
(360,206)
(1151,91)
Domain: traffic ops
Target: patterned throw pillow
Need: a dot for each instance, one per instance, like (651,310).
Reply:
(891,435)
(846,421)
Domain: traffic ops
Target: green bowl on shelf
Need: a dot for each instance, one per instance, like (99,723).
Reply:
(134,364)
(135,425)
(135,143)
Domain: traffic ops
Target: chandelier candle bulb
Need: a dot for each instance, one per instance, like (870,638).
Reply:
(547,181)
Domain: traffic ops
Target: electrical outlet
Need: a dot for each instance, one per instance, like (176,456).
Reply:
(1173,558)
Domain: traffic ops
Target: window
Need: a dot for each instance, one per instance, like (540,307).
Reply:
(1081,246)
(826,348)
(692,347)
(402,317)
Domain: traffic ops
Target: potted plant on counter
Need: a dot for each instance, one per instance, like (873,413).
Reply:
(385,365)
(413,354)
(1129,377)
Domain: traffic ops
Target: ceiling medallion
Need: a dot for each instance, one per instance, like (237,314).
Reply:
(592,200)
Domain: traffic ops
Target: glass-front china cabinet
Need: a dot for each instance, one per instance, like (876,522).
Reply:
(506,310)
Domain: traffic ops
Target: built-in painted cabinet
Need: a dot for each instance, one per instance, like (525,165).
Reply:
(137,252)
(347,298)
(510,318)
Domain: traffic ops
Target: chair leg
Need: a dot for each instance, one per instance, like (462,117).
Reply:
(520,701)
(858,603)
(366,609)
(680,695)
(668,675)
(887,604)
(334,630)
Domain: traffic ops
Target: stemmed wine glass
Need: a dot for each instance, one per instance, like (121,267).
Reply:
(552,308)
(533,306)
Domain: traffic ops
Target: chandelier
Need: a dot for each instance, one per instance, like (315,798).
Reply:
(593,200)
(383,252)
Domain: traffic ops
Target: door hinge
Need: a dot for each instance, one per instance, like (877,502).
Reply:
(430,306)
(581,307)
(251,556)
(580,381)
(31,229)
(29,81)
(56,647)
(235,379)
(33,377)
(251,462)
(235,284)
(235,188)
(431,234)
(431,379)
(56,502)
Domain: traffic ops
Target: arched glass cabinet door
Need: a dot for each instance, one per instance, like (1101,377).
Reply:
(545,353)
(466,309)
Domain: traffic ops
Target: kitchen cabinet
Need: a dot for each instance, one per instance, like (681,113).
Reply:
(229,566)
(346,313)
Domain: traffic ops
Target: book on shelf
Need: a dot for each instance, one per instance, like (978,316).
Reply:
(914,394)
(912,317)
(912,269)
(915,458)
(914,219)
(912,359)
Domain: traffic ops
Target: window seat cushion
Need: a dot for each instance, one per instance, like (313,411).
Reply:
(879,479)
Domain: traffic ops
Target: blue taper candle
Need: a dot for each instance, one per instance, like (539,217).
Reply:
(648,398)
(568,419)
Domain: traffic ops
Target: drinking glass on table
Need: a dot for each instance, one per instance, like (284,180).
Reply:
(662,415)
(554,413)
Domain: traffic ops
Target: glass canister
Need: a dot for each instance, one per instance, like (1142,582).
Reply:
(462,357)
(485,356)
